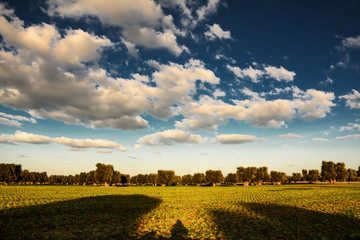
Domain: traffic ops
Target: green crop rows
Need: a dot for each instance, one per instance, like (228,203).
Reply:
(222,212)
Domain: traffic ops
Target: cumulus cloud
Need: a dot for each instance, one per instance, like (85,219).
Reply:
(72,144)
(170,137)
(350,127)
(290,136)
(208,9)
(351,42)
(352,99)
(14,120)
(9,122)
(216,32)
(138,20)
(137,146)
(279,74)
(349,137)
(236,138)
(320,139)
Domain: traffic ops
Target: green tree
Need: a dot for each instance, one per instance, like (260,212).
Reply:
(82,178)
(341,172)
(198,178)
(262,175)
(328,171)
(186,179)
(134,180)
(232,178)
(213,176)
(90,177)
(166,177)
(240,171)
(305,176)
(25,176)
(125,178)
(314,175)
(250,175)
(296,177)
(142,179)
(116,177)
(352,175)
(153,178)
(104,173)
(278,177)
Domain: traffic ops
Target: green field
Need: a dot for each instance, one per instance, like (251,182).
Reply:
(222,212)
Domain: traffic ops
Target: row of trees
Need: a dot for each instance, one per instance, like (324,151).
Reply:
(106,175)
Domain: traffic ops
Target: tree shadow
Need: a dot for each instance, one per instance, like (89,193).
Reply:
(101,217)
(272,221)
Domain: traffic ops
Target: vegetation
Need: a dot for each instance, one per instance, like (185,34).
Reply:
(301,211)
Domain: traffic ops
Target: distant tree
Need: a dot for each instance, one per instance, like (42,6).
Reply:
(297,177)
(153,178)
(166,177)
(177,180)
(341,172)
(187,179)
(34,177)
(10,172)
(213,176)
(358,172)
(116,177)
(43,177)
(77,179)
(305,176)
(104,173)
(352,175)
(90,177)
(313,175)
(142,179)
(133,180)
(278,177)
(250,175)
(328,171)
(262,175)
(232,178)
(240,171)
(82,178)
(125,178)
(198,178)
(25,176)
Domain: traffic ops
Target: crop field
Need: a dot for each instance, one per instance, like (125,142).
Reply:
(222,212)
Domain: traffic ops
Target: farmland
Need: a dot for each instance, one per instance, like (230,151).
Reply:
(222,212)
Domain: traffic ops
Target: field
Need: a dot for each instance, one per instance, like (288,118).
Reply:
(222,212)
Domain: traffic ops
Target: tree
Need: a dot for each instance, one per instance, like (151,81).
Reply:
(25,176)
(297,177)
(90,177)
(125,178)
(153,178)
(166,177)
(313,175)
(249,175)
(43,178)
(232,178)
(213,177)
(10,172)
(328,172)
(262,175)
(134,180)
(341,172)
(198,178)
(278,177)
(116,177)
(352,175)
(305,176)
(142,179)
(104,173)
(240,171)
(186,179)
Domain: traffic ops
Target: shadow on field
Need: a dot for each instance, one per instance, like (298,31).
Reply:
(271,221)
(101,217)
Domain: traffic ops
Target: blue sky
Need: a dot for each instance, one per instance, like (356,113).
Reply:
(181,85)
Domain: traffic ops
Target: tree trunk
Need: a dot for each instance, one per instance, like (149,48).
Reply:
(213,184)
(106,184)
(246,184)
(198,184)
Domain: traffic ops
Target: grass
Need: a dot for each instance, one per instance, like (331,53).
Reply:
(266,212)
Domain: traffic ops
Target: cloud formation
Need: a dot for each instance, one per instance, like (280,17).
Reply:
(349,137)
(236,138)
(73,144)
(216,32)
(352,99)
(170,137)
(290,136)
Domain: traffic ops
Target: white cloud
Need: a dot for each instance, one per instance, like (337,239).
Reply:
(350,127)
(320,139)
(24,137)
(253,74)
(290,136)
(352,99)
(170,137)
(351,42)
(131,47)
(208,9)
(279,74)
(137,146)
(349,137)
(236,139)
(9,122)
(18,117)
(326,82)
(215,31)
(143,22)
(73,144)
(218,93)
(104,151)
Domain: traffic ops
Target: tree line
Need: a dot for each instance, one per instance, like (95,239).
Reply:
(106,175)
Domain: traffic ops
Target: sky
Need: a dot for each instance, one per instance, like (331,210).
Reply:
(179,84)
